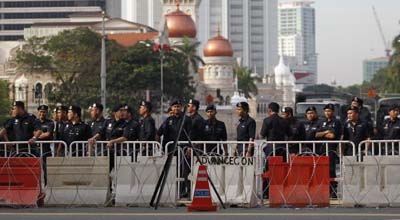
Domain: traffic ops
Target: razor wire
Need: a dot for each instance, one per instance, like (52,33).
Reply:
(230,185)
(370,179)
(290,151)
(96,165)
(22,182)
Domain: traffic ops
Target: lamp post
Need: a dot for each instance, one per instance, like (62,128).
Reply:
(103,62)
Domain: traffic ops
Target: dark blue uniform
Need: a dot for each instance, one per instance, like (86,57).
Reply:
(355,132)
(76,132)
(245,130)
(97,126)
(214,130)
(22,129)
(170,129)
(147,129)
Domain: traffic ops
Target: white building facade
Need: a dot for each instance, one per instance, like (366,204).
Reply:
(296,30)
(17,15)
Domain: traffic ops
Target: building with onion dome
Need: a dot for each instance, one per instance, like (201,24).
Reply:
(180,25)
(217,73)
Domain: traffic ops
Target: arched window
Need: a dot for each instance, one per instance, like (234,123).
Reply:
(38,91)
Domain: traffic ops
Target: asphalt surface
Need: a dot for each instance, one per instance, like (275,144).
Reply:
(181,213)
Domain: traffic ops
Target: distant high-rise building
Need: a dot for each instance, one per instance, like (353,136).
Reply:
(146,12)
(250,25)
(17,15)
(296,40)
(372,66)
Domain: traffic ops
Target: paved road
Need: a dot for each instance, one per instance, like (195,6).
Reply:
(180,213)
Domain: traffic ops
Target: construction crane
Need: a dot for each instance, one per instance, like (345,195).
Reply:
(386,44)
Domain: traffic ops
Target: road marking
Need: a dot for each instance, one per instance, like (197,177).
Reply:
(200,214)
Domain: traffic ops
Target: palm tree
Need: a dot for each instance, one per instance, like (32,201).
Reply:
(246,82)
(189,51)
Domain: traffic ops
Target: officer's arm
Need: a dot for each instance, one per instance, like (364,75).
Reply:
(252,134)
(264,129)
(224,133)
(115,141)
(3,134)
(149,131)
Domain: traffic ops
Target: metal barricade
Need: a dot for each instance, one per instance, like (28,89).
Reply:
(237,178)
(371,179)
(23,171)
(293,152)
(15,148)
(379,148)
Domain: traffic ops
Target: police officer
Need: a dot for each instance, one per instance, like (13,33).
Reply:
(172,124)
(130,132)
(147,126)
(214,130)
(60,122)
(196,132)
(76,129)
(22,127)
(161,129)
(113,128)
(390,129)
(245,129)
(363,114)
(311,124)
(275,128)
(47,127)
(298,130)
(330,129)
(96,113)
(354,129)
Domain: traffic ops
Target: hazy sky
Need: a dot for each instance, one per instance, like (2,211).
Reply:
(347,34)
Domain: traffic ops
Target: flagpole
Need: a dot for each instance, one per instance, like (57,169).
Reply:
(162,83)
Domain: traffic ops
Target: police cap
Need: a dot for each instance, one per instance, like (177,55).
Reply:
(311,108)
(116,108)
(243,105)
(19,104)
(43,108)
(62,108)
(211,107)
(75,109)
(393,107)
(175,102)
(330,106)
(194,102)
(147,104)
(126,107)
(358,100)
(287,110)
(98,106)
(353,108)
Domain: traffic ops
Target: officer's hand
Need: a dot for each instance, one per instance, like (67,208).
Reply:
(330,135)
(248,154)
(188,152)
(110,144)
(32,141)
(91,141)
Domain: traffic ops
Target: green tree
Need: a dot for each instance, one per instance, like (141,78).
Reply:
(5,104)
(246,82)
(189,51)
(33,57)
(139,69)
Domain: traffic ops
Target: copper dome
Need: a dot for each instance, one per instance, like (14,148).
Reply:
(180,24)
(218,47)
